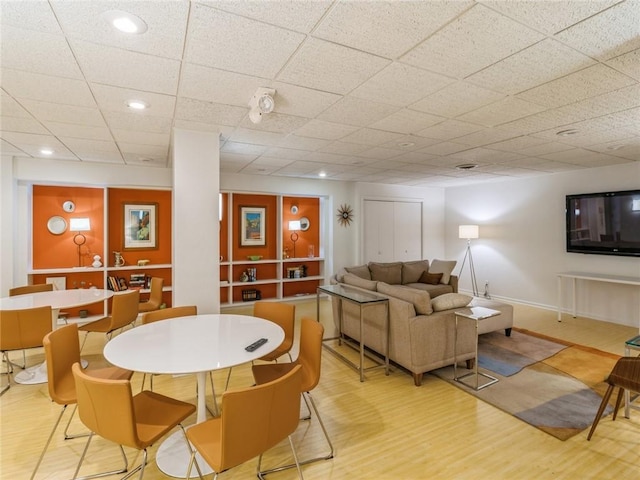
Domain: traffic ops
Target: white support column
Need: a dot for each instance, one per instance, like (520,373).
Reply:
(196,228)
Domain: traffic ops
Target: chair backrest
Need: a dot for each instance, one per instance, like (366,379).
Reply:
(310,356)
(283,314)
(254,419)
(20,329)
(173,312)
(124,309)
(62,350)
(40,287)
(106,408)
(155,294)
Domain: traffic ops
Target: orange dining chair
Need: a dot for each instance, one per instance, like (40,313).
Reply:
(20,330)
(62,350)
(253,420)
(26,289)
(310,359)
(626,376)
(155,296)
(282,314)
(124,311)
(109,409)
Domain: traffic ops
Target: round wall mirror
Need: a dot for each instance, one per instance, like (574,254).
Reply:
(304,224)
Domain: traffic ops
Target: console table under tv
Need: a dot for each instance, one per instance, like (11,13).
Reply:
(594,277)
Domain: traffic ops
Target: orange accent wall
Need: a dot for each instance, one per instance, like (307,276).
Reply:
(59,251)
(117,198)
(307,207)
(224,229)
(269,202)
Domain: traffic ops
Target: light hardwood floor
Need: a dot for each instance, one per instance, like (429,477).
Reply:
(384,428)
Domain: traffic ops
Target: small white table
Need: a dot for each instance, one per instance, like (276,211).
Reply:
(476,314)
(57,300)
(184,345)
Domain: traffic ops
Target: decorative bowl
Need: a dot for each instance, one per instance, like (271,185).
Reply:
(254,257)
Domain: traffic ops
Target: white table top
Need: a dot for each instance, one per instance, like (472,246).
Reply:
(56,299)
(477,313)
(193,344)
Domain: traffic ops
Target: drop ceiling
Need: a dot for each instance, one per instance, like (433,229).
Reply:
(369,91)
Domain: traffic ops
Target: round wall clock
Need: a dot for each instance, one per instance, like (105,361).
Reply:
(68,206)
(304,224)
(57,225)
(345,215)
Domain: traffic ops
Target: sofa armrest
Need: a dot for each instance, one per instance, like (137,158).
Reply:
(453,281)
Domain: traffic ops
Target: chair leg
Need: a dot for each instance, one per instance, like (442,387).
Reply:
(226,386)
(46,445)
(5,356)
(297,463)
(618,402)
(216,410)
(98,475)
(603,405)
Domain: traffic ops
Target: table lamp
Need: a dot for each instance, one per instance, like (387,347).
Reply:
(294,225)
(79,225)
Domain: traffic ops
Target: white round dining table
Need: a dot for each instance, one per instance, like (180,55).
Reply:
(57,300)
(191,345)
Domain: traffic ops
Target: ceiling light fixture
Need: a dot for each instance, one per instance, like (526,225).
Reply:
(137,105)
(46,151)
(566,133)
(125,22)
(261,103)
(466,166)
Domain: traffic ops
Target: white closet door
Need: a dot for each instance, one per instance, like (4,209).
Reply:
(407,228)
(378,231)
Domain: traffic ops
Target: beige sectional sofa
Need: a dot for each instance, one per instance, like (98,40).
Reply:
(422,300)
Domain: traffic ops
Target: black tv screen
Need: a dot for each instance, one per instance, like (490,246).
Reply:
(605,223)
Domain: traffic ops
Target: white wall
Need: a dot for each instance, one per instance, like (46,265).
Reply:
(522,241)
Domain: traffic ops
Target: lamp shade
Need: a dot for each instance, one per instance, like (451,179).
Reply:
(294,225)
(468,231)
(79,224)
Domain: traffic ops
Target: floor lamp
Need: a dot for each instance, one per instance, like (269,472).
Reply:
(469,232)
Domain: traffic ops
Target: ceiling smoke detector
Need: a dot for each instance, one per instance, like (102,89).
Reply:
(261,103)
(466,166)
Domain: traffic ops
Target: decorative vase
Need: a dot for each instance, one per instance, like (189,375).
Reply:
(96,261)
(244,277)
(119,261)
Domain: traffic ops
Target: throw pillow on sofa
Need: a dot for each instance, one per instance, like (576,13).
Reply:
(430,278)
(421,300)
(390,273)
(449,301)
(361,271)
(356,281)
(445,267)
(411,271)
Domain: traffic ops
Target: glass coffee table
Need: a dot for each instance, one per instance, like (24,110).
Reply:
(363,300)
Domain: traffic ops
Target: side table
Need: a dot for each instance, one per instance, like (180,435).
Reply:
(476,314)
(631,344)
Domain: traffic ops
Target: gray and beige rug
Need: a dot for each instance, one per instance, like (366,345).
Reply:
(550,384)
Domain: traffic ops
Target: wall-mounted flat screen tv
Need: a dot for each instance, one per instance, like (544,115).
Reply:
(605,223)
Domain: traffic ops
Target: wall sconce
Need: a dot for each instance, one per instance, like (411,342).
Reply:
(294,225)
(79,225)
(469,232)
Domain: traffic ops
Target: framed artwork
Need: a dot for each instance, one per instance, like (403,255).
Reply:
(140,226)
(252,226)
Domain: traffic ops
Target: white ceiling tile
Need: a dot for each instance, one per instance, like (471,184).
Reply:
(240,42)
(37,52)
(590,82)
(286,153)
(214,85)
(79,131)
(7,148)
(518,143)
(22,124)
(142,150)
(544,149)
(101,157)
(610,33)
(326,130)
(276,162)
(34,86)
(354,111)
(456,99)
(275,122)
(292,14)
(409,143)
(486,155)
(502,111)
(37,15)
(20,140)
(121,68)
(530,67)
(330,67)
(243,148)
(9,107)
(224,130)
(444,148)
(166,23)
(407,121)
(415,157)
(236,158)
(145,160)
(55,112)
(449,129)
(629,63)
(487,136)
(475,45)
(386,28)
(138,123)
(83,147)
(116,98)
(258,137)
(344,148)
(195,110)
(380,153)
(302,143)
(370,136)
(143,138)
(549,17)
(300,101)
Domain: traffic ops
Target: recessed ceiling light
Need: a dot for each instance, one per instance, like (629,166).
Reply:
(125,22)
(322,174)
(466,166)
(46,151)
(137,104)
(566,133)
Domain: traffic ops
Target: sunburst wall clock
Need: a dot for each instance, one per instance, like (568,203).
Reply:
(345,215)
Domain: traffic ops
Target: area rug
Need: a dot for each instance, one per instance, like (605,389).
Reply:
(550,384)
